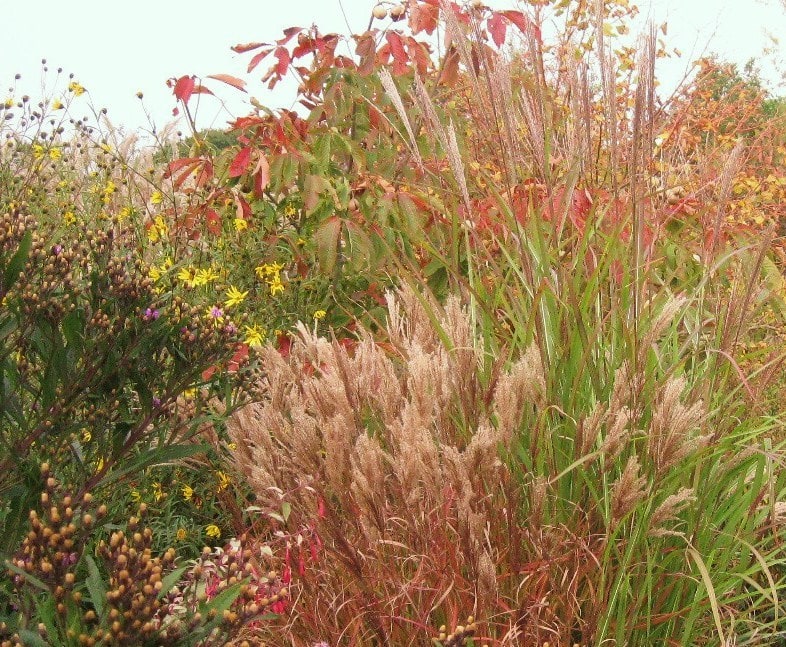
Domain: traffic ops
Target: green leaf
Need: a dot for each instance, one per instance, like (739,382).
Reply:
(326,238)
(223,600)
(96,586)
(32,638)
(17,261)
(29,578)
(170,580)
(154,456)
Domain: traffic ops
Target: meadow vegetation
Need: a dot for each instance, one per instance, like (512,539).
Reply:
(481,346)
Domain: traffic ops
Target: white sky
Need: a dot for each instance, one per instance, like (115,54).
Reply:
(114,54)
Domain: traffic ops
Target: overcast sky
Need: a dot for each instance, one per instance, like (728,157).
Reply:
(116,49)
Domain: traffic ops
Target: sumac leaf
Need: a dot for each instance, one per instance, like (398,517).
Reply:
(184,88)
(235,82)
(241,162)
(497,28)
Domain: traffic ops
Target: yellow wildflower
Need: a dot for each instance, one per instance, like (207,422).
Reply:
(76,88)
(254,336)
(158,491)
(157,197)
(188,492)
(158,229)
(69,218)
(55,153)
(268,270)
(241,224)
(205,276)
(107,191)
(190,394)
(188,276)
(135,496)
(213,531)
(223,480)
(181,534)
(38,151)
(234,297)
(124,213)
(87,436)
(276,286)
(319,314)
(57,104)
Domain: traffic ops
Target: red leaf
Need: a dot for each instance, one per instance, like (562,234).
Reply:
(497,28)
(423,17)
(284,342)
(242,208)
(282,54)
(242,48)
(184,88)
(201,89)
(400,58)
(257,59)
(176,165)
(420,53)
(241,162)
(288,33)
(522,22)
(247,122)
(235,82)
(261,176)
(239,358)
(213,222)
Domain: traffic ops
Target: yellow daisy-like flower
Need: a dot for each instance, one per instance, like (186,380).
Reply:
(319,314)
(254,336)
(188,276)
(213,531)
(181,534)
(188,492)
(55,154)
(157,197)
(205,276)
(136,497)
(38,151)
(276,287)
(268,270)
(234,297)
(158,229)
(69,218)
(57,104)
(241,224)
(223,480)
(158,491)
(76,88)
(190,394)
